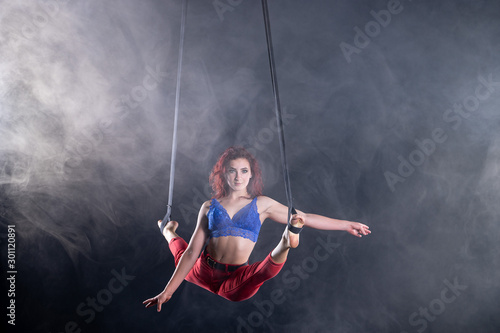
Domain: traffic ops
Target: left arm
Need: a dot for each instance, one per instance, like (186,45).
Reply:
(279,213)
(326,223)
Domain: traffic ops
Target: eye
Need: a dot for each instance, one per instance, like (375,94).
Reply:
(244,171)
(232,171)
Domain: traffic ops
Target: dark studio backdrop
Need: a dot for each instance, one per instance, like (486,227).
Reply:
(391,113)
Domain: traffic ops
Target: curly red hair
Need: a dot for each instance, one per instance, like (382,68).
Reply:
(217,176)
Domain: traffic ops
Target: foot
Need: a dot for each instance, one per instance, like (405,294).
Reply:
(288,240)
(292,238)
(169,230)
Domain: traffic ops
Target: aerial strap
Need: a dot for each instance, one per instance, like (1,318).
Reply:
(279,118)
(176,116)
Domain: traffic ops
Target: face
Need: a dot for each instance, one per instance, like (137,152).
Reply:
(238,174)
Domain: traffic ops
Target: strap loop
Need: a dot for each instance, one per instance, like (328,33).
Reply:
(291,228)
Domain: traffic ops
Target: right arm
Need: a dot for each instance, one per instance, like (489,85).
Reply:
(187,261)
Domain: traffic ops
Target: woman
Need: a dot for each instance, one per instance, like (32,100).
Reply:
(231,222)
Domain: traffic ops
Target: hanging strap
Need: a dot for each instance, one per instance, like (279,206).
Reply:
(279,118)
(176,116)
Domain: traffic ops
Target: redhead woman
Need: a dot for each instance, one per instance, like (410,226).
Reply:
(226,231)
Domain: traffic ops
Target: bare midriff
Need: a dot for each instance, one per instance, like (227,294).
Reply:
(230,250)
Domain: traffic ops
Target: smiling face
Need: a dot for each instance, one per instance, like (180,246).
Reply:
(238,174)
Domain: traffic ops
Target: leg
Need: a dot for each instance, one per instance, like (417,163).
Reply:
(200,275)
(246,281)
(176,244)
(288,240)
(169,231)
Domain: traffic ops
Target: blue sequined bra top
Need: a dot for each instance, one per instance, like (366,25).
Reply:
(245,223)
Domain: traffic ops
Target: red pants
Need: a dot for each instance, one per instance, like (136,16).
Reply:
(235,286)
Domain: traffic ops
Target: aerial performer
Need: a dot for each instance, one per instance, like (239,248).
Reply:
(228,226)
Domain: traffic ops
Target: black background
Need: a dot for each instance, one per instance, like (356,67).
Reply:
(84,177)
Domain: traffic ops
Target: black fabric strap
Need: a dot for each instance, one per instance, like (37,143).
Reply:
(279,118)
(291,228)
(167,217)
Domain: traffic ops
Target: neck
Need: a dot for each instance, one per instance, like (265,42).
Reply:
(235,195)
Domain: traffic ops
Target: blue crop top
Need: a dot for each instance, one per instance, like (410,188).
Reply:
(245,223)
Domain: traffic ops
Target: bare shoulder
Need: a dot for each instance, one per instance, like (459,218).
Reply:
(203,213)
(264,203)
(263,200)
(206,206)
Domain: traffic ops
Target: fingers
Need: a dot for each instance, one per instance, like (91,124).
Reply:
(150,302)
(366,230)
(361,230)
(155,300)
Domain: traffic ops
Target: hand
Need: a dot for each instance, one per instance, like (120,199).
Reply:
(161,298)
(358,229)
(297,220)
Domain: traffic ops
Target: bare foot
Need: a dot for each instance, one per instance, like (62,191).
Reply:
(169,230)
(288,240)
(293,239)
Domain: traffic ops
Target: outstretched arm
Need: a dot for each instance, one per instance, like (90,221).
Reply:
(325,223)
(186,262)
(279,213)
